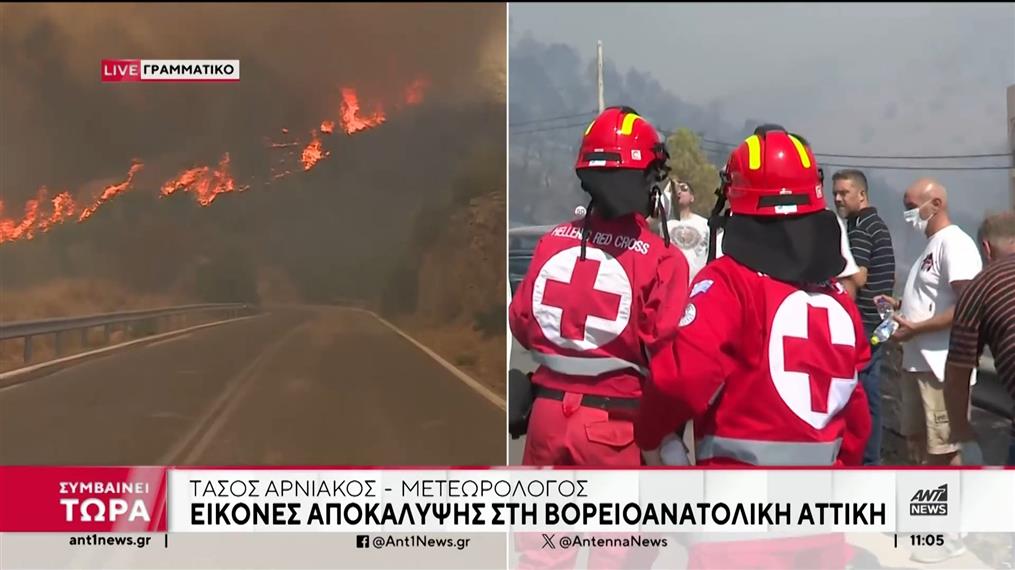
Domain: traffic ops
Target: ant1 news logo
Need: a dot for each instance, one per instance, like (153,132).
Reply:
(929,502)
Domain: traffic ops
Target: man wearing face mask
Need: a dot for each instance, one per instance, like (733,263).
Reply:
(599,294)
(937,278)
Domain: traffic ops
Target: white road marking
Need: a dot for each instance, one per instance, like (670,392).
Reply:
(465,378)
(200,435)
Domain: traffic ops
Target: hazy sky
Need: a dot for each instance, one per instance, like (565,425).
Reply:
(853,78)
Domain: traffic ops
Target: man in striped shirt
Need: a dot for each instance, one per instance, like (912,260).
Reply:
(871,245)
(984,316)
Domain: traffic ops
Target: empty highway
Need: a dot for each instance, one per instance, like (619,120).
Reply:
(293,386)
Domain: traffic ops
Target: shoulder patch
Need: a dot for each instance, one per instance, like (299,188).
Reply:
(701,287)
(689,314)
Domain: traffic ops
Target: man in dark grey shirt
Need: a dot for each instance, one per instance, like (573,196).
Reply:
(871,244)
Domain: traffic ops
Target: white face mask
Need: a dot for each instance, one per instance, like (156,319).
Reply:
(913,218)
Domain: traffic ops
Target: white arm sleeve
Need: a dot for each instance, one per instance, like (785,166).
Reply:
(851,267)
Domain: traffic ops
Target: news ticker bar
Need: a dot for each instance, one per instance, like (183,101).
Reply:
(501,500)
(170,70)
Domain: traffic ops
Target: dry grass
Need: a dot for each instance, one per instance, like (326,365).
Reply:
(73,297)
(460,299)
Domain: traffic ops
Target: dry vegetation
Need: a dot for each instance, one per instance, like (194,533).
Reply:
(72,297)
(460,308)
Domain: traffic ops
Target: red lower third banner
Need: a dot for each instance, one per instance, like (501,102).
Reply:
(83,499)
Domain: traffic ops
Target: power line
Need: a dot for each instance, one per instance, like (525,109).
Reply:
(827,154)
(893,167)
(877,167)
(569,126)
(550,119)
(870,156)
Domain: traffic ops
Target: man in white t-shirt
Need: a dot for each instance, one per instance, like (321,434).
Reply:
(688,231)
(940,273)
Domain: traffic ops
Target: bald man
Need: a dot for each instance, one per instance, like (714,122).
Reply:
(938,276)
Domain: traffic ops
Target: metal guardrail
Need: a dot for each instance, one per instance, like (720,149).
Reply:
(58,326)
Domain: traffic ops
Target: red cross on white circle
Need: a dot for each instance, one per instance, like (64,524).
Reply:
(582,303)
(811,356)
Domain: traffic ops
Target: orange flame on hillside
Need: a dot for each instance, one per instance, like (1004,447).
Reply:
(352,120)
(11,229)
(313,153)
(42,213)
(112,190)
(204,182)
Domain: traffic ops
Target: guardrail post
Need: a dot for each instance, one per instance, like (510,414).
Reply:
(108,331)
(84,338)
(58,344)
(28,349)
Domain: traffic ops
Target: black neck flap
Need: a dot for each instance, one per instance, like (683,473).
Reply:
(795,249)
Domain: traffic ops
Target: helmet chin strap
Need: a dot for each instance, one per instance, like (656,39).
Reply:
(659,210)
(717,219)
(586,227)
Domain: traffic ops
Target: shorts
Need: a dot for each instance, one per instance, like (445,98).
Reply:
(924,412)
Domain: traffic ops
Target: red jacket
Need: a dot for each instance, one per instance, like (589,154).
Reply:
(767,371)
(589,323)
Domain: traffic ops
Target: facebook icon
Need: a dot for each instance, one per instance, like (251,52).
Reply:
(362,541)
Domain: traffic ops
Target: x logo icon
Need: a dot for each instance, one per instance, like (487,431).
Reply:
(548,541)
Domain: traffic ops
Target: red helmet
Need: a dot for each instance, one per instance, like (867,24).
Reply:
(773,173)
(619,138)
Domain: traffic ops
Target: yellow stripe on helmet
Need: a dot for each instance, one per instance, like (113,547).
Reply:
(753,152)
(627,127)
(802,151)
(588,130)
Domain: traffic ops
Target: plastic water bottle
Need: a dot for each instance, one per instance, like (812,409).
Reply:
(888,326)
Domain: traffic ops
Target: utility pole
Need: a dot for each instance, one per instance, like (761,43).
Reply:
(599,74)
(1011,141)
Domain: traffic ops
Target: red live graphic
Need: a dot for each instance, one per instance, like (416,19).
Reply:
(121,70)
(76,499)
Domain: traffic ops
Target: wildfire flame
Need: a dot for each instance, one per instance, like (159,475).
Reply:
(352,121)
(204,182)
(35,220)
(112,190)
(61,208)
(313,153)
(11,229)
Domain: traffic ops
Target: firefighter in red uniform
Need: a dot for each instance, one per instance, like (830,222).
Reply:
(597,294)
(766,354)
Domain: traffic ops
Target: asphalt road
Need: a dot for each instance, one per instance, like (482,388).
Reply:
(295,386)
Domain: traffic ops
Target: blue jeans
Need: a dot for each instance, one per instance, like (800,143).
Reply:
(870,379)
(1011,452)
